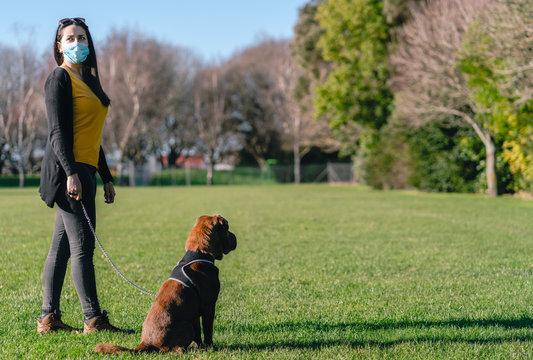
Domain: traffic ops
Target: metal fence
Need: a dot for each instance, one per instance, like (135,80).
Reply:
(311,173)
(329,172)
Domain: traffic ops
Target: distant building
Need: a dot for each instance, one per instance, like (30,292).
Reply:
(191,161)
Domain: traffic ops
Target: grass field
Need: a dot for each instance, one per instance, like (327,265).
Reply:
(320,272)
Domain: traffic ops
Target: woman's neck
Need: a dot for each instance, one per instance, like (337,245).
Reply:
(73,68)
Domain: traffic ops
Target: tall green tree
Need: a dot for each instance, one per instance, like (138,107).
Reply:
(359,79)
(355,40)
(304,45)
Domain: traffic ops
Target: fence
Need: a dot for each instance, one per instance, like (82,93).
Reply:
(329,172)
(150,175)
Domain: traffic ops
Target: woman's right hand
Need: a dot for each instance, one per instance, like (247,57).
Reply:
(74,187)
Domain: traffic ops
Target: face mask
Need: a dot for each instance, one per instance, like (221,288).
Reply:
(76,52)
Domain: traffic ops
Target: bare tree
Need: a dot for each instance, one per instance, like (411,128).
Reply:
(268,70)
(299,127)
(286,75)
(251,87)
(213,129)
(178,133)
(428,85)
(137,73)
(256,90)
(21,108)
(253,121)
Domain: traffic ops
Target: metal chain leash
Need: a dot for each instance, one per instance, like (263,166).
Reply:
(107,256)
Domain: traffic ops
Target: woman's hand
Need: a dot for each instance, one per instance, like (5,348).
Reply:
(74,186)
(109,192)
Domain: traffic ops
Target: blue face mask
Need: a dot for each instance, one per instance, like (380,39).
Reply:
(76,52)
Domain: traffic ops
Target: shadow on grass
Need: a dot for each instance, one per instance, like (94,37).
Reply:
(339,334)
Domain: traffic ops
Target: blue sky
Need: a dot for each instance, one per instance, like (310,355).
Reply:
(214,29)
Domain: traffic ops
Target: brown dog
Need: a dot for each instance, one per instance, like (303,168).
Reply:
(191,292)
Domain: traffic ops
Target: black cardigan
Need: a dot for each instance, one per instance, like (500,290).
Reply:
(58,161)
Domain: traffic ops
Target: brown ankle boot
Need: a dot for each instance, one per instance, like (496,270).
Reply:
(52,323)
(101,322)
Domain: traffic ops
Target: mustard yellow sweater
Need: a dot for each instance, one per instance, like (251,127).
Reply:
(89,117)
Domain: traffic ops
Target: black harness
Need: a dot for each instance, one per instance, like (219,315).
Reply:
(179,273)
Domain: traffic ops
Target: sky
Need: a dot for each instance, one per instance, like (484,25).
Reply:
(213,29)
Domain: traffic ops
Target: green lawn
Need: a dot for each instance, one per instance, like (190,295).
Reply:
(320,272)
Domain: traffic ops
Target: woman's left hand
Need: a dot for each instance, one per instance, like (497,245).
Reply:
(109,193)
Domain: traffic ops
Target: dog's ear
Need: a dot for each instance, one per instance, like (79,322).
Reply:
(220,221)
(200,234)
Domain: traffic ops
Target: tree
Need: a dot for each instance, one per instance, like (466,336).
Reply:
(285,75)
(266,107)
(355,40)
(354,43)
(253,120)
(216,138)
(312,70)
(304,46)
(21,108)
(397,11)
(427,82)
(496,58)
(300,130)
(137,73)
(178,132)
(250,111)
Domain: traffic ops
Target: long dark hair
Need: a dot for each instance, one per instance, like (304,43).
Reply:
(89,71)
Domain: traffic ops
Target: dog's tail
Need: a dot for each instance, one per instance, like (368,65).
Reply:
(115,349)
(111,349)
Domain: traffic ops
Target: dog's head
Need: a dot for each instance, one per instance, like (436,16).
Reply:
(211,235)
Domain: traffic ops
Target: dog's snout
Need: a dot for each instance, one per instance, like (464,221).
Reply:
(231,243)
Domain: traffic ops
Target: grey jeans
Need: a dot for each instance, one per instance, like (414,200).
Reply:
(73,239)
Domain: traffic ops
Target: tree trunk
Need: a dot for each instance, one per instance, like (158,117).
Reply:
(21,174)
(296,149)
(492,182)
(188,174)
(21,120)
(21,164)
(490,150)
(126,137)
(131,166)
(297,178)
(120,170)
(209,177)
(262,166)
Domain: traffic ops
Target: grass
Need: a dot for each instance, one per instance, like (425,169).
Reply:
(320,272)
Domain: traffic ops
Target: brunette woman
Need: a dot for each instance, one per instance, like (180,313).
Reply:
(76,107)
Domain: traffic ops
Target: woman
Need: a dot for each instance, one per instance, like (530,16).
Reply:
(76,107)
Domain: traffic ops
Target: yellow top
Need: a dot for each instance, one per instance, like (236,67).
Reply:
(89,117)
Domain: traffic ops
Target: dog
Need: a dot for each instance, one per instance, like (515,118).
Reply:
(190,293)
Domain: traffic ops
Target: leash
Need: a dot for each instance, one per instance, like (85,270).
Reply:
(107,256)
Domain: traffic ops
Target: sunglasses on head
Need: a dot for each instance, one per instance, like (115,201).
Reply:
(68,21)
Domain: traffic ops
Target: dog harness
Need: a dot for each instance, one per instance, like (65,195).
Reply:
(179,272)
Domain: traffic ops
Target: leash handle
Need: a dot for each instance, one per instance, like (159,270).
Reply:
(107,256)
